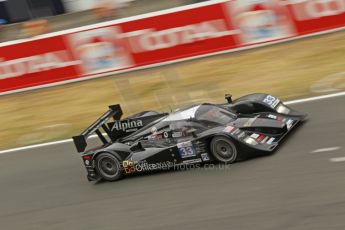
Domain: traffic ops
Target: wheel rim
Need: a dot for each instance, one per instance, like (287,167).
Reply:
(108,166)
(224,150)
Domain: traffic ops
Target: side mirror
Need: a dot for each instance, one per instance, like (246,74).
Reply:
(137,147)
(228,97)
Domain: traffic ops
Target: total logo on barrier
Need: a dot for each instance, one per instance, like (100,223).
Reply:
(314,9)
(35,64)
(261,20)
(152,39)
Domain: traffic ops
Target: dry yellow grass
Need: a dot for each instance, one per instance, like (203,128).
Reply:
(286,70)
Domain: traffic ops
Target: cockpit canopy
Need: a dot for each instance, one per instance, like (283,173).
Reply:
(196,117)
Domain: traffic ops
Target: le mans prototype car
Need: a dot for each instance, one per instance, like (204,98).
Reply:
(194,134)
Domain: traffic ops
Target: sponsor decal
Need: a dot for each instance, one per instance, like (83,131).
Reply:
(271,101)
(155,137)
(270,141)
(264,140)
(128,167)
(275,103)
(254,135)
(272,116)
(142,166)
(289,123)
(205,157)
(177,134)
(186,149)
(228,129)
(236,131)
(165,134)
(260,138)
(242,134)
(198,160)
(127,125)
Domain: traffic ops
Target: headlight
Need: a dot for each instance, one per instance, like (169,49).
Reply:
(283,109)
(250,141)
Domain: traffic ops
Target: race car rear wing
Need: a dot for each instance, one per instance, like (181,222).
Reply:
(114,112)
(114,129)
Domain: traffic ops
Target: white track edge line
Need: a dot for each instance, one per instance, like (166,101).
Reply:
(337,159)
(328,149)
(316,98)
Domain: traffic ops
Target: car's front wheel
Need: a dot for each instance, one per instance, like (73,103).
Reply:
(223,150)
(108,167)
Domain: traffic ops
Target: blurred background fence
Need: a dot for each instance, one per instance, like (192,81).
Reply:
(56,15)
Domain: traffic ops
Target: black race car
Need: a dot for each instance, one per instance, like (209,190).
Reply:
(199,133)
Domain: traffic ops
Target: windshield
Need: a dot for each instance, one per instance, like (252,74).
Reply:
(214,114)
(194,117)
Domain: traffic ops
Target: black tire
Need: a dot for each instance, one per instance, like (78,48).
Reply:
(223,150)
(108,167)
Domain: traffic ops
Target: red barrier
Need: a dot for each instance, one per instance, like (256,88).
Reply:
(158,38)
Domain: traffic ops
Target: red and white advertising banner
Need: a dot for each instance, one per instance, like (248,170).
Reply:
(161,37)
(310,16)
(37,62)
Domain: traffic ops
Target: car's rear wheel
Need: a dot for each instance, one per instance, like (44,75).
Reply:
(223,150)
(108,167)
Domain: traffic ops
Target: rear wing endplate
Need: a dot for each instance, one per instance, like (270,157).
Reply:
(114,112)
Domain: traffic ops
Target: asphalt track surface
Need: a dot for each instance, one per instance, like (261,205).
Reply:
(45,188)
